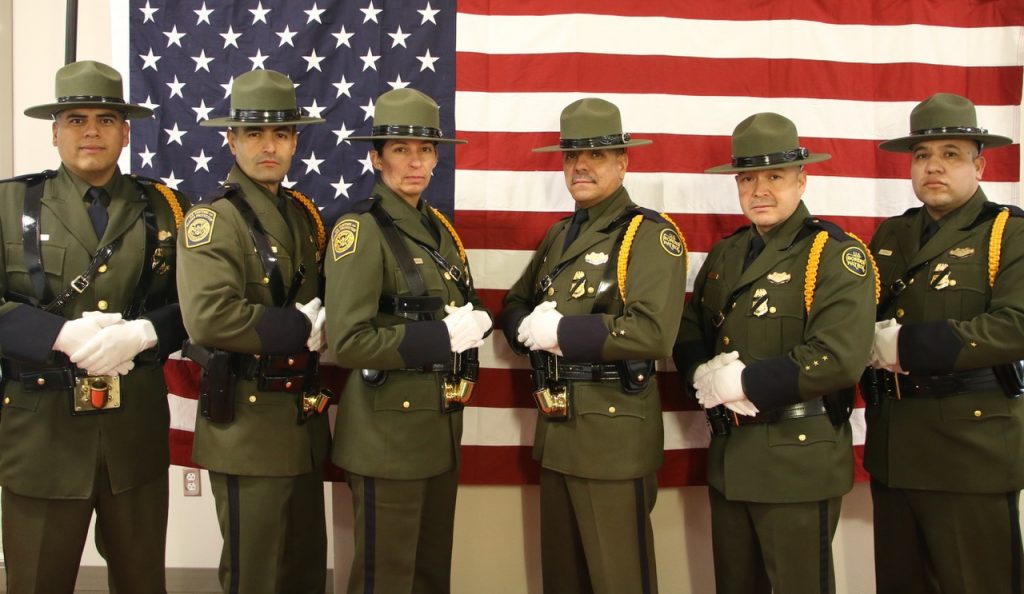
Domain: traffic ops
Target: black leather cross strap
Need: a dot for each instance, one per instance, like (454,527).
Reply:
(604,294)
(31,240)
(267,256)
(413,278)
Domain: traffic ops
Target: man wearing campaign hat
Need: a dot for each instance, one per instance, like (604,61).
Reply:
(598,303)
(773,340)
(89,314)
(945,417)
(403,314)
(250,278)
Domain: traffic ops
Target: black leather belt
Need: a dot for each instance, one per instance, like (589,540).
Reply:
(35,379)
(811,408)
(939,386)
(429,368)
(276,373)
(592,372)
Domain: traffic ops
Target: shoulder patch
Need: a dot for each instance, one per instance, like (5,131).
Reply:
(671,243)
(855,260)
(199,226)
(344,238)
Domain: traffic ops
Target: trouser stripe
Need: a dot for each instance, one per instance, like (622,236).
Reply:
(823,546)
(1015,544)
(641,532)
(233,532)
(369,534)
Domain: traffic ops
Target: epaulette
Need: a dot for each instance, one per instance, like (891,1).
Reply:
(910,211)
(224,191)
(651,215)
(363,206)
(32,178)
(739,230)
(996,208)
(834,231)
(174,202)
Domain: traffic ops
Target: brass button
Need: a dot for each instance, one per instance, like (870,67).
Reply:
(102,305)
(622,332)
(406,404)
(102,268)
(640,378)
(900,313)
(266,281)
(590,290)
(801,437)
(551,290)
(725,340)
(252,398)
(772,309)
(447,276)
(911,282)
(977,413)
(611,409)
(288,384)
(291,361)
(40,382)
(7,399)
(952,283)
(453,303)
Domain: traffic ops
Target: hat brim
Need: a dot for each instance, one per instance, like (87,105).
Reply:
(47,111)
(906,143)
(730,168)
(228,122)
(409,137)
(557,148)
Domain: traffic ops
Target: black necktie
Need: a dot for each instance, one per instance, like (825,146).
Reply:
(97,210)
(756,247)
(929,231)
(431,228)
(578,219)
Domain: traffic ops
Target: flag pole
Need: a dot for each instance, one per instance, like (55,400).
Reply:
(71,32)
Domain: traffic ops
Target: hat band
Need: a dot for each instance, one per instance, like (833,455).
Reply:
(594,142)
(771,159)
(89,99)
(949,130)
(389,130)
(268,116)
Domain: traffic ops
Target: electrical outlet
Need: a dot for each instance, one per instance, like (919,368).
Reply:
(193,482)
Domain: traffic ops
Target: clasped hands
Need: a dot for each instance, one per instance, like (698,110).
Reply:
(538,331)
(104,343)
(885,352)
(466,327)
(719,381)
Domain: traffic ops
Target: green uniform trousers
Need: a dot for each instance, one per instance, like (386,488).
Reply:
(275,534)
(403,534)
(43,538)
(596,536)
(953,543)
(787,547)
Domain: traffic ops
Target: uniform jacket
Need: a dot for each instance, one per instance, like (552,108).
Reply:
(962,443)
(226,305)
(44,450)
(791,355)
(611,434)
(395,430)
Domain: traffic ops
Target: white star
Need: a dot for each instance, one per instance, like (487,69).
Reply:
(176,87)
(312,163)
(428,15)
(147,157)
(286,36)
(149,60)
(202,62)
(201,161)
(173,37)
(171,182)
(340,187)
(258,60)
(342,37)
(147,13)
(427,61)
(369,60)
(259,14)
(343,86)
(202,111)
(203,14)
(314,110)
(148,104)
(343,133)
(174,135)
(230,38)
(313,61)
(371,13)
(398,38)
(368,108)
(367,164)
(287,182)
(227,87)
(314,14)
(398,83)
(224,142)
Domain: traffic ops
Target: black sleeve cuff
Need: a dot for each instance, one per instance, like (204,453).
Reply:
(282,331)
(510,319)
(929,347)
(425,343)
(772,383)
(687,356)
(582,338)
(170,331)
(28,333)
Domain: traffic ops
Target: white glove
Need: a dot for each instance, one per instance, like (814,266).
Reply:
(542,331)
(317,338)
(311,309)
(725,385)
(112,349)
(717,362)
(885,352)
(482,320)
(463,331)
(75,333)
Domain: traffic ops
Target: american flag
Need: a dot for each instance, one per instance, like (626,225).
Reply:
(682,72)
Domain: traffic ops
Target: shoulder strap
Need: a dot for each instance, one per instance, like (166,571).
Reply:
(271,272)
(31,241)
(412,275)
(630,220)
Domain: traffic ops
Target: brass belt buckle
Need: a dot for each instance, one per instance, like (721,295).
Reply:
(553,401)
(96,393)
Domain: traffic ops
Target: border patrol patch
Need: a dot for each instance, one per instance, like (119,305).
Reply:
(855,260)
(344,238)
(671,243)
(199,226)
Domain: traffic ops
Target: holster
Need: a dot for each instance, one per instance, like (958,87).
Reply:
(839,405)
(1011,378)
(635,374)
(719,420)
(551,395)
(216,381)
(876,384)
